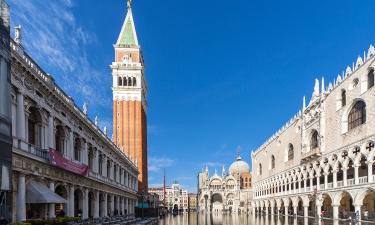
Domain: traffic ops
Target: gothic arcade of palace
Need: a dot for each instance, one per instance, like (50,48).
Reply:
(323,158)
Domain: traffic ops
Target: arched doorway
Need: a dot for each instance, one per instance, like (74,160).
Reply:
(216,203)
(61,209)
(34,127)
(78,202)
(300,207)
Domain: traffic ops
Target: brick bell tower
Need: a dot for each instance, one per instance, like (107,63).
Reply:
(129,98)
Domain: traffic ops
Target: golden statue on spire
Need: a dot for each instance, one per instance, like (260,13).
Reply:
(129,4)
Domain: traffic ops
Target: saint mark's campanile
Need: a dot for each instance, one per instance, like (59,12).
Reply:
(129,98)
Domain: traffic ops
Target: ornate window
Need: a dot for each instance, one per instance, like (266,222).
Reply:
(59,139)
(77,149)
(290,152)
(357,115)
(100,164)
(272,162)
(260,169)
(34,127)
(119,81)
(129,81)
(343,98)
(370,79)
(134,81)
(314,142)
(91,158)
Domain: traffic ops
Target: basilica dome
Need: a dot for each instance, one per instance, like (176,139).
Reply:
(239,166)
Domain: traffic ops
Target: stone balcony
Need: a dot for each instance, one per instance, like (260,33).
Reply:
(312,154)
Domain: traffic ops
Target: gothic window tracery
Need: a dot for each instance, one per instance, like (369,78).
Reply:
(314,142)
(357,115)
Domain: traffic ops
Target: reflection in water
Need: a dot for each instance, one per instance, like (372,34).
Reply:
(224,219)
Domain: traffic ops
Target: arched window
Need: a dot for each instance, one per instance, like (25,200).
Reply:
(129,81)
(314,142)
(100,164)
(134,81)
(119,81)
(357,115)
(290,152)
(91,158)
(34,127)
(273,162)
(59,139)
(343,98)
(260,169)
(125,82)
(370,79)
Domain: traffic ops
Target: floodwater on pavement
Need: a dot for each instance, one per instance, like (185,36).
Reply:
(226,219)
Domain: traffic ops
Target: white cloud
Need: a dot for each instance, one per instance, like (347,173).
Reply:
(155,163)
(59,44)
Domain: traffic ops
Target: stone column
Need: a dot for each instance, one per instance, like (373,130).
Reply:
(357,208)
(294,186)
(335,212)
(356,175)
(51,133)
(345,176)
(126,206)
(112,204)
(311,183)
(334,178)
(118,204)
(96,160)
(71,201)
(104,165)
(105,208)
(318,182)
(305,210)
(295,208)
(123,205)
(70,152)
(21,199)
(112,170)
(85,210)
(369,171)
(97,204)
(52,205)
(305,184)
(84,151)
(325,181)
(21,130)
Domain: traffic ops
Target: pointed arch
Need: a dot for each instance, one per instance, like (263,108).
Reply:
(357,115)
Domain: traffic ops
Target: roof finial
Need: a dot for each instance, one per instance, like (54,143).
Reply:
(129,4)
(238,150)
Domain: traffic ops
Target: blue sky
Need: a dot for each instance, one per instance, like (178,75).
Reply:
(222,75)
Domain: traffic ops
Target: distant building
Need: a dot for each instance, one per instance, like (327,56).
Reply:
(192,202)
(176,198)
(229,192)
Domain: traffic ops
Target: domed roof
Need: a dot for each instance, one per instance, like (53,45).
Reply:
(239,166)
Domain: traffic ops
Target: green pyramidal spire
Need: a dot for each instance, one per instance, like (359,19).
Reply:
(128,35)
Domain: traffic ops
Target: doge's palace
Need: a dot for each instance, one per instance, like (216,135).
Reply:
(322,159)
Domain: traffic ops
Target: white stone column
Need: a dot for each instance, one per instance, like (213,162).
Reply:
(335,211)
(318,182)
(70,152)
(96,160)
(84,157)
(334,178)
(311,184)
(112,204)
(51,133)
(104,165)
(345,176)
(369,172)
(357,208)
(356,175)
(51,205)
(325,181)
(21,130)
(85,210)
(21,198)
(295,208)
(105,206)
(305,210)
(319,209)
(71,201)
(112,170)
(96,204)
